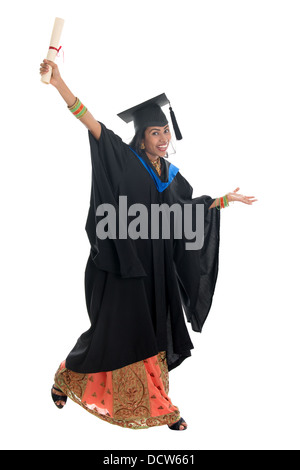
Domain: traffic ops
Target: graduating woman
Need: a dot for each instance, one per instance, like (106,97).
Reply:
(141,279)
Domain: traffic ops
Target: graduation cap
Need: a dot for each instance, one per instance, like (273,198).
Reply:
(150,113)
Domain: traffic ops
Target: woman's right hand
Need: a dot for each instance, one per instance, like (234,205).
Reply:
(55,76)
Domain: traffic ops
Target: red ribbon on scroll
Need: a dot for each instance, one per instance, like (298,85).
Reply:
(51,47)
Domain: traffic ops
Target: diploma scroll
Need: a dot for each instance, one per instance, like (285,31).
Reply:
(54,45)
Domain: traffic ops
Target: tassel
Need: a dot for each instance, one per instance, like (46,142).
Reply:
(175,125)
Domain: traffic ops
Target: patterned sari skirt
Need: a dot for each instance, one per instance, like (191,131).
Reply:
(135,396)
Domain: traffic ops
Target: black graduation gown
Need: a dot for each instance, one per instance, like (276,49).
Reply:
(138,292)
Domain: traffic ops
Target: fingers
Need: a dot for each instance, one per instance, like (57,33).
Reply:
(241,197)
(249,199)
(44,66)
(50,62)
(43,69)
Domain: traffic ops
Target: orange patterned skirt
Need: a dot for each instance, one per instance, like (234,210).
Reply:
(135,396)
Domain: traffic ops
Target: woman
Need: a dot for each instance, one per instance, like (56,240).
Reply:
(137,279)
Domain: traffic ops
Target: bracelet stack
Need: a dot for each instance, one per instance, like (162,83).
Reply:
(78,109)
(223,202)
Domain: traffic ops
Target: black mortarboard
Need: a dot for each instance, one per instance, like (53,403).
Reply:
(150,113)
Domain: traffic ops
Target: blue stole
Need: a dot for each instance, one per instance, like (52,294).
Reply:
(173,170)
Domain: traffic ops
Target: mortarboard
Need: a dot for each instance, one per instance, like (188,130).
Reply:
(150,113)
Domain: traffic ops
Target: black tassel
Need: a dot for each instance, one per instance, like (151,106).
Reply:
(175,125)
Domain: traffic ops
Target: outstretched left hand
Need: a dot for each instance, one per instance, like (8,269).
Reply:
(234,196)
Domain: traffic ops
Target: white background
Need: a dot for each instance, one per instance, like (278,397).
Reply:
(231,70)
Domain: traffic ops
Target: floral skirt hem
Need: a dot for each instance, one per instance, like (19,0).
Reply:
(135,396)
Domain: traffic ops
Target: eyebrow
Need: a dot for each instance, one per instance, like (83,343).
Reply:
(156,129)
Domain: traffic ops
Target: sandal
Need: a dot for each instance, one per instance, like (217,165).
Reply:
(176,426)
(56,397)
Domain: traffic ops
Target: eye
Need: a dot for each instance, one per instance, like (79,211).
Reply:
(155,133)
(167,131)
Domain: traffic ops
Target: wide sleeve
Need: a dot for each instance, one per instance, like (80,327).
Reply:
(109,159)
(197,270)
(109,154)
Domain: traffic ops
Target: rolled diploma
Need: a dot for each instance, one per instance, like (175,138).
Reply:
(54,42)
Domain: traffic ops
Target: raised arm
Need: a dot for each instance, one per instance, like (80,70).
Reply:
(87,119)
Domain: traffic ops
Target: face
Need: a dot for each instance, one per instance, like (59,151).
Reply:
(156,141)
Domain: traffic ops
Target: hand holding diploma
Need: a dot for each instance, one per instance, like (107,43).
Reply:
(53,49)
(50,69)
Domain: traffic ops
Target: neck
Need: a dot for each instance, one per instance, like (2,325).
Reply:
(153,158)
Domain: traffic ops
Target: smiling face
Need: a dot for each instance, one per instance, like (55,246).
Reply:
(156,141)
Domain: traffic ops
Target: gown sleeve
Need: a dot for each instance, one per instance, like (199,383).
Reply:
(109,159)
(197,270)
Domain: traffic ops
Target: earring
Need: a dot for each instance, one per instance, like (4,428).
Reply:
(142,146)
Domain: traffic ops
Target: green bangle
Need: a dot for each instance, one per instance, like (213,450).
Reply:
(71,108)
(81,113)
(76,106)
(226,202)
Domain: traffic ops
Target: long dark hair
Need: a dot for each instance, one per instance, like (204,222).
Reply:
(137,140)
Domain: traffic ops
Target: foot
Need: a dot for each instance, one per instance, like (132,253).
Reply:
(180,425)
(56,393)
